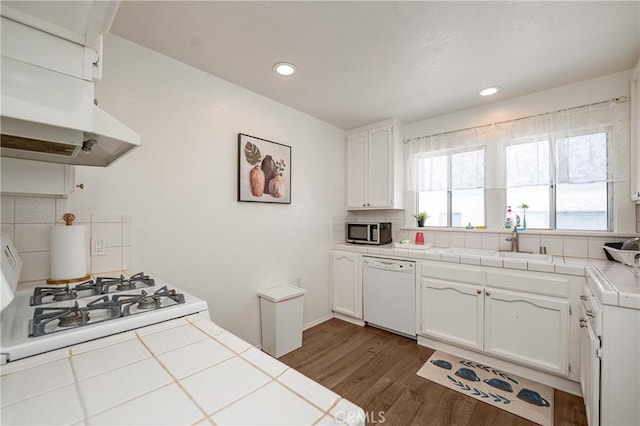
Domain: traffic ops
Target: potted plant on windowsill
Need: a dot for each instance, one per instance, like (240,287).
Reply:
(421,217)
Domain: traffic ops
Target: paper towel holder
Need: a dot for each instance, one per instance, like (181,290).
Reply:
(68,219)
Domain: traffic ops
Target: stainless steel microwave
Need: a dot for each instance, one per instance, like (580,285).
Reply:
(369,232)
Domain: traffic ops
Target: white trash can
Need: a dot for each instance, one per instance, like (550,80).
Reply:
(281,318)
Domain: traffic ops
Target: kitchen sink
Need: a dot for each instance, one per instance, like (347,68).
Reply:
(470,251)
(501,254)
(524,256)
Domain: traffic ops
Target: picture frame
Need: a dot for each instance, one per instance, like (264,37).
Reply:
(264,170)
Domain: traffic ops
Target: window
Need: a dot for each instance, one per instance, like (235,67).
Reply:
(563,164)
(452,188)
(573,195)
(528,181)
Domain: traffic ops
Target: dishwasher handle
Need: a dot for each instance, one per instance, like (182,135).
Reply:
(389,265)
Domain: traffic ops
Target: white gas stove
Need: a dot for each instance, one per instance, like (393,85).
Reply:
(44,318)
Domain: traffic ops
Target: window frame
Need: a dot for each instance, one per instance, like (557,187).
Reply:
(449,190)
(552,185)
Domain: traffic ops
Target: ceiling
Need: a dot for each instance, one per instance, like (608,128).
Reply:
(362,61)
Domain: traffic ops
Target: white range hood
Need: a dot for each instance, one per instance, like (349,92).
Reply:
(47,99)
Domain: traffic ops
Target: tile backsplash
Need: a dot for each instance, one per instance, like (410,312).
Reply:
(27,220)
(588,246)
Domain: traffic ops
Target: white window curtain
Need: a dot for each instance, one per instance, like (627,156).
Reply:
(531,134)
(432,172)
(467,170)
(527,163)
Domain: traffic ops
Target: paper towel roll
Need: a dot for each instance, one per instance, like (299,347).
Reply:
(69,253)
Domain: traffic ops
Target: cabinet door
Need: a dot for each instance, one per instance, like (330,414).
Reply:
(590,372)
(380,167)
(356,170)
(35,178)
(346,284)
(528,329)
(635,134)
(452,312)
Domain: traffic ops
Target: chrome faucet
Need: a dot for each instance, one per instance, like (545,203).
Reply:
(514,240)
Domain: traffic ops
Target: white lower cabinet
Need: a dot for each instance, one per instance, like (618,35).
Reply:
(516,325)
(346,284)
(453,312)
(527,328)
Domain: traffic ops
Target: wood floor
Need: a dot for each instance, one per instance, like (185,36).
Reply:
(377,371)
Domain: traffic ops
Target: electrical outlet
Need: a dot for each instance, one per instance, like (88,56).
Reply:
(98,246)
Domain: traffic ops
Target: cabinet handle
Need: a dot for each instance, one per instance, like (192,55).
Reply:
(589,313)
(479,291)
(583,297)
(364,205)
(487,293)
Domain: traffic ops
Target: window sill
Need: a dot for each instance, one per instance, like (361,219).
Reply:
(528,231)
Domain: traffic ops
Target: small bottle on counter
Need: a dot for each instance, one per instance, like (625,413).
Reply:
(508,220)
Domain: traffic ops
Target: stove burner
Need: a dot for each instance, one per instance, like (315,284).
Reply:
(139,280)
(66,294)
(73,318)
(44,295)
(144,302)
(149,302)
(127,285)
(48,320)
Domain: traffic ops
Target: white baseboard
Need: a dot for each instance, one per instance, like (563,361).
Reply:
(349,319)
(556,382)
(316,322)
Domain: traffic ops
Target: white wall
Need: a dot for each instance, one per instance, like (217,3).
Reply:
(181,187)
(572,95)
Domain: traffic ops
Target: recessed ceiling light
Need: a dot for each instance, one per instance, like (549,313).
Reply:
(489,91)
(284,68)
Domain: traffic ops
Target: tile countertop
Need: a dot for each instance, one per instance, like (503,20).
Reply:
(615,284)
(184,371)
(619,285)
(559,265)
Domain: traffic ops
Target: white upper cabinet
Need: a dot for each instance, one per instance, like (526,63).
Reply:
(35,178)
(356,170)
(69,39)
(374,167)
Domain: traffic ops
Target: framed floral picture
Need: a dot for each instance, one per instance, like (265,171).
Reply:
(264,170)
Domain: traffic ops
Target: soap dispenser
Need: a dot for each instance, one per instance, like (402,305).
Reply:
(509,223)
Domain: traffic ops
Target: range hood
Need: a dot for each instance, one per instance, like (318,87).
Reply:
(49,116)
(47,102)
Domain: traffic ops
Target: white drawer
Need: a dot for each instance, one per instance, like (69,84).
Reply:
(530,282)
(453,272)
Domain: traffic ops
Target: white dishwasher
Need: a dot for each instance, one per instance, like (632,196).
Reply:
(390,294)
